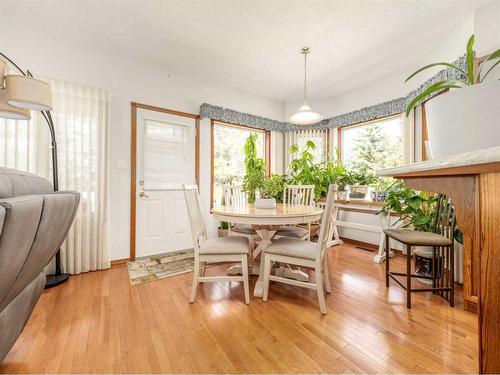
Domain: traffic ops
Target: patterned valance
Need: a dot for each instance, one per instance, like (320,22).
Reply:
(374,112)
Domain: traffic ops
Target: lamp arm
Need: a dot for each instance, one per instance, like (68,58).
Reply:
(50,123)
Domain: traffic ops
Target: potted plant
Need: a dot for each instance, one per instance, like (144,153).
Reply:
(417,211)
(466,118)
(255,168)
(304,170)
(270,191)
(360,185)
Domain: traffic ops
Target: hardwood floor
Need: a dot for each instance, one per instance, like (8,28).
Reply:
(98,322)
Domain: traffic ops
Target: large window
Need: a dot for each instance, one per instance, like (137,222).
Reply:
(229,155)
(373,145)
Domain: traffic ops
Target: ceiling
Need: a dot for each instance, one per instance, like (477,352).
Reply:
(253,45)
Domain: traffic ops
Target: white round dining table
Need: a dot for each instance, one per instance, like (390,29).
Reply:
(266,222)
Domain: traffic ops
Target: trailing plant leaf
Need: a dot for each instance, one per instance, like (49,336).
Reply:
(436,64)
(432,89)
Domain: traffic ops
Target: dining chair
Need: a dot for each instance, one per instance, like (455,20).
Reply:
(234,196)
(441,239)
(305,254)
(297,195)
(213,250)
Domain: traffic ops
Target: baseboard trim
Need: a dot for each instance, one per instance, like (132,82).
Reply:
(366,245)
(118,262)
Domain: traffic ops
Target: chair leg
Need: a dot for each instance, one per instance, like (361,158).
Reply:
(244,270)
(326,274)
(319,289)
(203,269)
(452,276)
(196,273)
(309,232)
(267,273)
(408,276)
(387,257)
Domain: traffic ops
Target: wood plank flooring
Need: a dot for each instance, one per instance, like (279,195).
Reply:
(98,322)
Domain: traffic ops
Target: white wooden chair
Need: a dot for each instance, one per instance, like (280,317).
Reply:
(304,254)
(234,196)
(298,195)
(213,250)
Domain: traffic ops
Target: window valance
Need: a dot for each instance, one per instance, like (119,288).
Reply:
(374,112)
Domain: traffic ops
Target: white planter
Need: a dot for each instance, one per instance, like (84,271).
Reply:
(342,195)
(464,120)
(265,203)
(358,192)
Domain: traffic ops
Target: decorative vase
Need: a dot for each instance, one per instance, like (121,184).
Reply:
(423,263)
(265,203)
(464,120)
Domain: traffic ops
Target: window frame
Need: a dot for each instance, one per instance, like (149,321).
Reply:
(267,150)
(407,142)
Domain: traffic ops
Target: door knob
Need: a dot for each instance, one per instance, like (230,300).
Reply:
(143,195)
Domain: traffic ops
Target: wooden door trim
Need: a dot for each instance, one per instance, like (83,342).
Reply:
(133,160)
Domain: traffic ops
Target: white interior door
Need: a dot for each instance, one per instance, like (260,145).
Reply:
(165,161)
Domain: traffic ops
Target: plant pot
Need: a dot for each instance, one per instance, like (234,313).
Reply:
(378,196)
(464,120)
(265,203)
(342,195)
(423,263)
(358,192)
(223,232)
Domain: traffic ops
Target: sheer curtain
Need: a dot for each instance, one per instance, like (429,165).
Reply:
(318,136)
(81,118)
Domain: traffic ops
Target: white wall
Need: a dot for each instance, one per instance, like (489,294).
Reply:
(128,81)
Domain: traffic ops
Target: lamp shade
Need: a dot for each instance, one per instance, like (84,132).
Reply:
(305,116)
(28,93)
(3,69)
(10,112)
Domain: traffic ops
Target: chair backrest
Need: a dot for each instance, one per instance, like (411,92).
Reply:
(444,221)
(233,195)
(326,221)
(298,194)
(198,230)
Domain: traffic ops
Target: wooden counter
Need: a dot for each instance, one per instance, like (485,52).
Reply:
(472,181)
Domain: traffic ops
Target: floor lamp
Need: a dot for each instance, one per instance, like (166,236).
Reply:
(19,94)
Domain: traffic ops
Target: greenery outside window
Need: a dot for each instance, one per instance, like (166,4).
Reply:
(374,145)
(228,164)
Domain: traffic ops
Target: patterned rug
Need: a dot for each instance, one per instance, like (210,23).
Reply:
(158,267)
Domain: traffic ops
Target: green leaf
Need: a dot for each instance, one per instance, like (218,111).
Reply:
(436,64)
(438,86)
(494,55)
(470,60)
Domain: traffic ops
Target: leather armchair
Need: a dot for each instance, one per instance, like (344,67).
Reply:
(34,222)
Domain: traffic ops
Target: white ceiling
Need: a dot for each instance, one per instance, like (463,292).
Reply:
(254,45)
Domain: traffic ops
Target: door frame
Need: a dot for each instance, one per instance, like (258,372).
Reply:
(133,159)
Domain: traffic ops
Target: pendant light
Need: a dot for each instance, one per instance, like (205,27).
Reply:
(305,115)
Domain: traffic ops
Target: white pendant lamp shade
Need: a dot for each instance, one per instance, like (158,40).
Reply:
(3,70)
(305,115)
(11,112)
(28,93)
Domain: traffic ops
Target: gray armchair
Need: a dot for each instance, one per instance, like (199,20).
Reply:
(34,221)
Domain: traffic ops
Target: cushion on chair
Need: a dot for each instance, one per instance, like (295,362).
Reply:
(293,247)
(417,238)
(294,232)
(244,229)
(225,245)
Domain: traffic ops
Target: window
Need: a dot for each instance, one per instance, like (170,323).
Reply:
(300,138)
(374,145)
(228,165)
